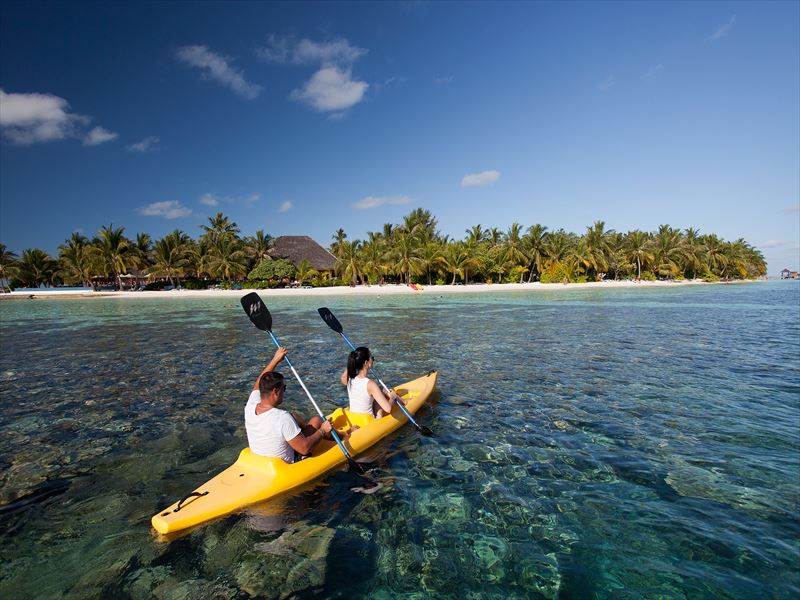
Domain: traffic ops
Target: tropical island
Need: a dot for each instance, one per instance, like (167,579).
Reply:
(411,252)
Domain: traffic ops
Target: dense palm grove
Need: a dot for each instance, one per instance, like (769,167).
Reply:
(412,251)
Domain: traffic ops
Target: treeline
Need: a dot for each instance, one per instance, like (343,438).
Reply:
(220,254)
(411,251)
(414,251)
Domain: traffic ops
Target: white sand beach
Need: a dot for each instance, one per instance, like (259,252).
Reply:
(362,290)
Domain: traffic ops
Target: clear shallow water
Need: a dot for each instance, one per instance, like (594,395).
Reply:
(605,444)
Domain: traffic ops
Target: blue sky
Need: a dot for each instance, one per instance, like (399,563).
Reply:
(300,118)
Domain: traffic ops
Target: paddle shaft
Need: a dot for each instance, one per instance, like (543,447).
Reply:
(310,397)
(400,404)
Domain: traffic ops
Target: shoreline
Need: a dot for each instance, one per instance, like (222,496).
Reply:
(362,290)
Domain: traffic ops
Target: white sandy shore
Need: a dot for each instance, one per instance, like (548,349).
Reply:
(361,290)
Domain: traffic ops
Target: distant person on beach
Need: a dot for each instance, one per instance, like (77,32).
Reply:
(272,431)
(366,396)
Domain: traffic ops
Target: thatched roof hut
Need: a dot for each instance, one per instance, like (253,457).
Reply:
(297,248)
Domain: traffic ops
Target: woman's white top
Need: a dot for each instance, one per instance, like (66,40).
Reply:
(268,434)
(360,400)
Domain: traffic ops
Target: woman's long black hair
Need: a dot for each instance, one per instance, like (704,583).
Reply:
(356,361)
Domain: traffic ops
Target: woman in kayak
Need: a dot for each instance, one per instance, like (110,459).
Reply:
(366,396)
(272,431)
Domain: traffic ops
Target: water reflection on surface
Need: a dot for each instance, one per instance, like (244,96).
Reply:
(589,444)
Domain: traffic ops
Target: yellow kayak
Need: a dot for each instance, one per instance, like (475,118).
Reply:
(253,478)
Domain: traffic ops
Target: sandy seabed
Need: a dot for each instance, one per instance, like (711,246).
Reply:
(360,290)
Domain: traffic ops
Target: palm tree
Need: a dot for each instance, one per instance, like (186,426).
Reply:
(636,247)
(495,237)
(693,253)
(199,257)
(305,271)
(113,252)
(259,247)
(558,246)
(405,256)
(142,251)
(421,224)
(8,265)
(457,259)
(228,258)
(372,257)
(476,234)
(348,264)
(534,245)
(36,267)
(76,260)
(513,248)
(170,257)
(716,259)
(219,226)
(595,248)
(667,252)
(430,257)
(338,241)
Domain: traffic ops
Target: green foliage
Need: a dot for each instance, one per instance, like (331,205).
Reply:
(708,276)
(648,276)
(439,281)
(196,284)
(580,279)
(516,273)
(557,272)
(272,269)
(155,286)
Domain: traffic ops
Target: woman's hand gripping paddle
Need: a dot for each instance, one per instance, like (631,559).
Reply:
(259,315)
(334,324)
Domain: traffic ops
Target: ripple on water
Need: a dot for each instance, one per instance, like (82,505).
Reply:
(604,444)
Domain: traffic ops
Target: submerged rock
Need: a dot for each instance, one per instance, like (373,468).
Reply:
(540,574)
(294,562)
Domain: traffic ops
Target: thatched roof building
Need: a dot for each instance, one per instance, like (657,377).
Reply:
(297,248)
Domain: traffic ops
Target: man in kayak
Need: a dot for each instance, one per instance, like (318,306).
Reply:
(275,432)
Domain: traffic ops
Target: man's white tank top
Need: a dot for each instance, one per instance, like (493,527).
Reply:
(360,400)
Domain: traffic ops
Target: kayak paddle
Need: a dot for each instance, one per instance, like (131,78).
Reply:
(334,324)
(259,315)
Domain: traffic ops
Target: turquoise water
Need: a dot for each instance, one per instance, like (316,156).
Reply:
(590,444)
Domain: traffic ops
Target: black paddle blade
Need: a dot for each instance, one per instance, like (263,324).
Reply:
(257,311)
(424,430)
(331,321)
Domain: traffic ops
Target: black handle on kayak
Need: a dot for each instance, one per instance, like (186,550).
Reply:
(186,497)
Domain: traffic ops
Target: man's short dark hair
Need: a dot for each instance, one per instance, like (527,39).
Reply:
(270,381)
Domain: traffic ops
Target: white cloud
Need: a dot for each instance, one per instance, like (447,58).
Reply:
(169,209)
(773,244)
(30,118)
(215,66)
(444,80)
(98,135)
(285,50)
(652,70)
(331,89)
(148,144)
(374,202)
(606,84)
(209,199)
(285,206)
(792,210)
(722,30)
(480,179)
